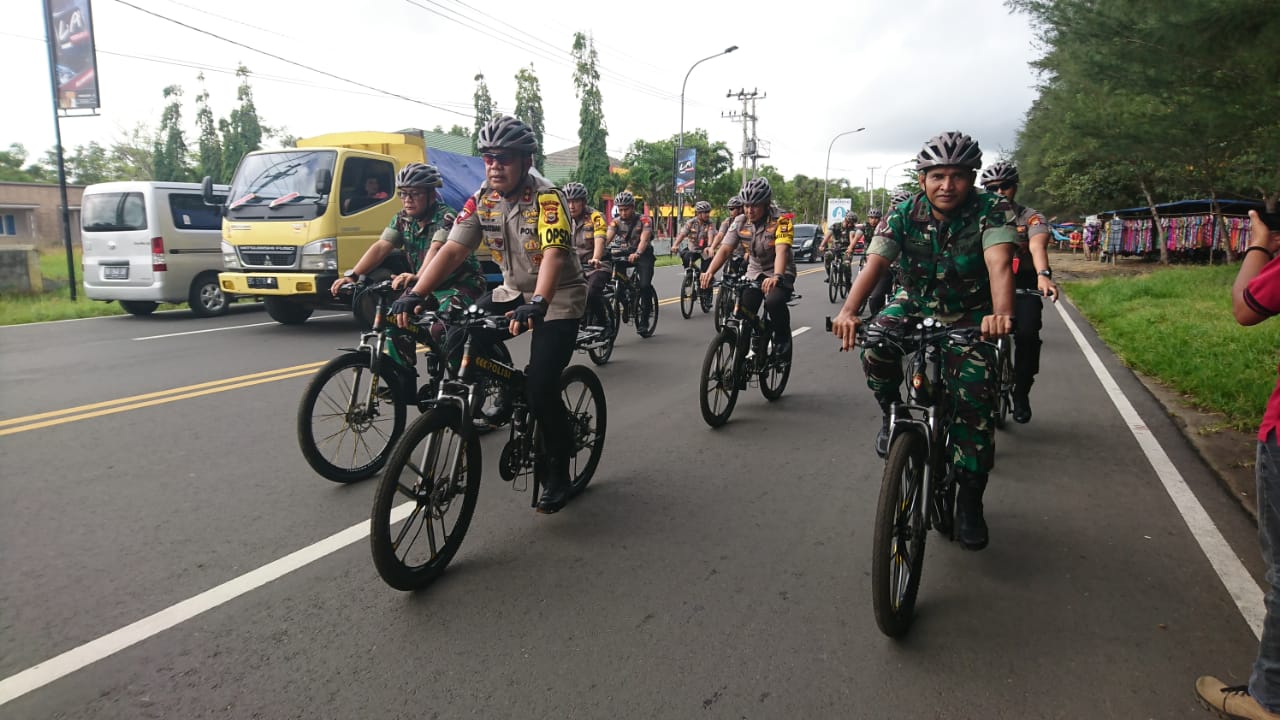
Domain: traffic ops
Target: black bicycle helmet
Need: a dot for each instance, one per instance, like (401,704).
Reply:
(506,132)
(419,175)
(575,191)
(757,191)
(850,218)
(702,206)
(624,199)
(734,202)
(900,197)
(949,149)
(874,213)
(1001,172)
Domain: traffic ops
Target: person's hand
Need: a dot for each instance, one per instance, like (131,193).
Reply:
(405,307)
(1048,287)
(769,284)
(595,262)
(996,326)
(526,317)
(632,257)
(845,326)
(1262,236)
(704,280)
(337,285)
(402,280)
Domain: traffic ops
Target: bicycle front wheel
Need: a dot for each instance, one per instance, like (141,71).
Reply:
(688,293)
(583,398)
(898,545)
(1004,387)
(704,299)
(436,469)
(718,387)
(647,312)
(846,279)
(833,284)
(609,321)
(724,308)
(777,370)
(349,419)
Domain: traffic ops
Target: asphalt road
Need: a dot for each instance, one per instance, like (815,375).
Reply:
(710,573)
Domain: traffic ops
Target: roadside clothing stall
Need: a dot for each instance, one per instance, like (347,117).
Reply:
(1187,227)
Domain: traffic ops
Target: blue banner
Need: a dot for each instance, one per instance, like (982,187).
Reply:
(686,159)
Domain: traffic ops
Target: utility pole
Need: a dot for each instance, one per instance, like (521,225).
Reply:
(871,183)
(750,143)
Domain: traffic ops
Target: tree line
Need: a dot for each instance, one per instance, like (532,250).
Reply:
(1149,101)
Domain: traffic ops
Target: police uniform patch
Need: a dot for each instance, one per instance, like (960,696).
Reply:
(468,209)
(1035,220)
(785,231)
(597,222)
(553,222)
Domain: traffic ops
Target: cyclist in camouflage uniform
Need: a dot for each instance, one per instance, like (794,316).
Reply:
(768,233)
(1031,272)
(838,237)
(419,231)
(884,285)
(525,220)
(955,250)
(589,232)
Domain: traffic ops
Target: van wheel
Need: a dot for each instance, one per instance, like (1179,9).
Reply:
(206,298)
(286,312)
(139,307)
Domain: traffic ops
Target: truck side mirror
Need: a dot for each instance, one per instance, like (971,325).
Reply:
(206,188)
(324,181)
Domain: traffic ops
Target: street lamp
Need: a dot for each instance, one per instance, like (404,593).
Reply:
(826,173)
(884,182)
(871,190)
(675,164)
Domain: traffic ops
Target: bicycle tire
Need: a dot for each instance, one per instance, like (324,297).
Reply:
(723,308)
(899,530)
(776,373)
(443,434)
(718,379)
(846,279)
(833,285)
(647,313)
(588,420)
(704,299)
(359,421)
(600,355)
(1004,389)
(687,292)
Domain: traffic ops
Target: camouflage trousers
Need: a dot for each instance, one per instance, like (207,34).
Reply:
(968,376)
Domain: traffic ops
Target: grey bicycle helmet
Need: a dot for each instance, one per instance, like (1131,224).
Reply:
(506,132)
(575,191)
(874,213)
(624,199)
(900,197)
(734,202)
(1001,172)
(851,218)
(757,191)
(952,148)
(419,175)
(702,206)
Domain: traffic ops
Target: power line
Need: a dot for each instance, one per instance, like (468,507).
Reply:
(293,62)
(223,17)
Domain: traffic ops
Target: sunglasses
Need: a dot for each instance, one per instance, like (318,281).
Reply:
(503,159)
(412,194)
(997,187)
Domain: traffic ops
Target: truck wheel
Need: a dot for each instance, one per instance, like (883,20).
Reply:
(287,312)
(139,307)
(363,304)
(206,298)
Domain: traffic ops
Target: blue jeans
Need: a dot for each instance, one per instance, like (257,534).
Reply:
(1264,683)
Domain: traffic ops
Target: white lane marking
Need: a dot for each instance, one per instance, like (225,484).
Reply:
(800,331)
(1239,584)
(39,675)
(230,327)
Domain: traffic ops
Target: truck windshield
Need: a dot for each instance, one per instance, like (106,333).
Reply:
(279,185)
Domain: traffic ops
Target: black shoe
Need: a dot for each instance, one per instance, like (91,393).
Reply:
(1021,409)
(971,527)
(782,348)
(555,494)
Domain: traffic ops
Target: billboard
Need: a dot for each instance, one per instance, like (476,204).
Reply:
(837,208)
(686,158)
(75,63)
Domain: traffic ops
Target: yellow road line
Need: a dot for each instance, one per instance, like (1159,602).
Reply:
(156,401)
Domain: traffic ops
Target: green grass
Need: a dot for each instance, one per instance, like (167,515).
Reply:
(53,264)
(665,260)
(55,303)
(1176,326)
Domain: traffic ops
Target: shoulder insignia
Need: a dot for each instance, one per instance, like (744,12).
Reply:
(597,222)
(553,221)
(468,210)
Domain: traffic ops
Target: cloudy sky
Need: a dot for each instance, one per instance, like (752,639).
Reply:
(904,70)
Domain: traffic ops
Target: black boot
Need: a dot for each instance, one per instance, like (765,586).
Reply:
(555,489)
(971,528)
(882,438)
(1022,403)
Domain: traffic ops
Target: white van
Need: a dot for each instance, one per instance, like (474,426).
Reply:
(151,242)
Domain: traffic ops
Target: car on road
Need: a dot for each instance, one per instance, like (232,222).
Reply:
(805,244)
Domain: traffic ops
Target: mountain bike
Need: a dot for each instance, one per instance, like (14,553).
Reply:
(436,465)
(841,278)
(918,489)
(630,304)
(740,354)
(1004,371)
(354,409)
(691,291)
(727,290)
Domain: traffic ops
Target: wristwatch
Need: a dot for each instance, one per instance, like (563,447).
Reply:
(538,300)
(350,274)
(1046,273)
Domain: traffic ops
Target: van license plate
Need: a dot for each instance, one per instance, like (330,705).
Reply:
(115,272)
(262,283)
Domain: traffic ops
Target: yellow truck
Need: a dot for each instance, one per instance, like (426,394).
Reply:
(297,217)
